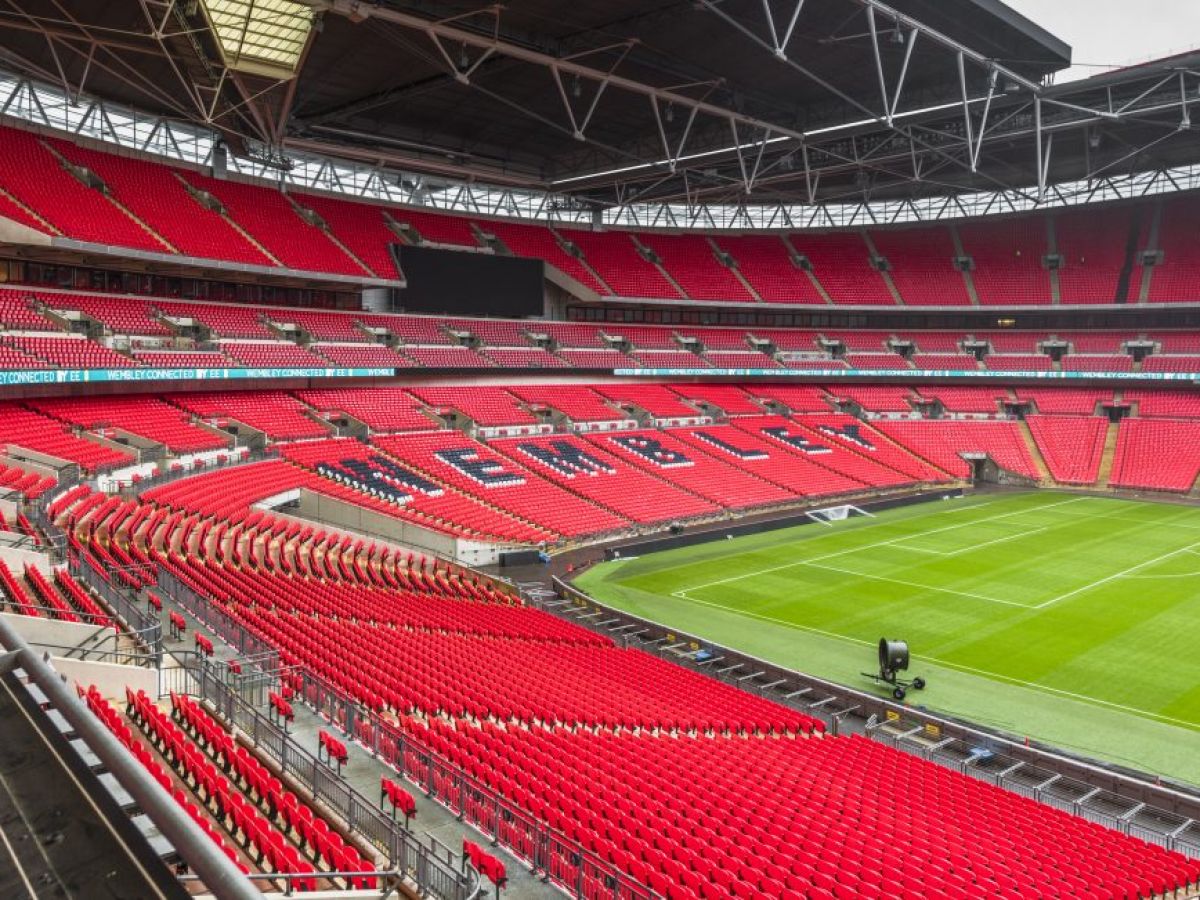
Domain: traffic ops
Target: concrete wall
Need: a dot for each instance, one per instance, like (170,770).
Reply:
(50,633)
(16,558)
(328,511)
(110,679)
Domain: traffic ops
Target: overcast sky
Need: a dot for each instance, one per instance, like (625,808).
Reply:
(1110,33)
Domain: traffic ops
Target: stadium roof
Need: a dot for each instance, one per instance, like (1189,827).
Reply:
(692,101)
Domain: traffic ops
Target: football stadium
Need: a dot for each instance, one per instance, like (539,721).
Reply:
(684,450)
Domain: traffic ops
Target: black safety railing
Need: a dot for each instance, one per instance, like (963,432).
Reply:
(428,865)
(546,850)
(143,623)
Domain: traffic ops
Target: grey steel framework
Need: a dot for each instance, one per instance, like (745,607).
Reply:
(921,125)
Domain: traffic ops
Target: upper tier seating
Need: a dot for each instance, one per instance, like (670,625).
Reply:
(153,419)
(615,258)
(692,262)
(765,262)
(381,408)
(275,413)
(35,177)
(360,227)
(435,228)
(1156,455)
(268,217)
(36,432)
(1008,260)
(155,194)
(12,209)
(1071,445)
(538,242)
(842,264)
(921,264)
(1177,278)
(1092,244)
(942,441)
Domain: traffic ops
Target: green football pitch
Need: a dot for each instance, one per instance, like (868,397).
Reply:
(1074,620)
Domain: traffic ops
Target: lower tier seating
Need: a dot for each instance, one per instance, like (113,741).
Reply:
(1157,455)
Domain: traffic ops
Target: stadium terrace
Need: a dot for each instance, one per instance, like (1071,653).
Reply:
(723,450)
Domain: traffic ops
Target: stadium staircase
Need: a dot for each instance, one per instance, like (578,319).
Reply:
(1035,454)
(220,210)
(78,173)
(1110,450)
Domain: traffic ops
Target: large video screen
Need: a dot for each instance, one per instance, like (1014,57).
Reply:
(473,284)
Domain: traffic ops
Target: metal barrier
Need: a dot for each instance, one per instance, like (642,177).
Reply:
(214,618)
(425,865)
(561,860)
(141,623)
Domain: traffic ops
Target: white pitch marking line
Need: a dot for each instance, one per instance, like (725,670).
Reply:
(973,547)
(803,562)
(924,587)
(1116,575)
(970,670)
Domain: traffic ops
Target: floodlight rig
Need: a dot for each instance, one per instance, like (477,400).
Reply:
(893,659)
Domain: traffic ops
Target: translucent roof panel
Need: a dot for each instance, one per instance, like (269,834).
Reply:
(260,36)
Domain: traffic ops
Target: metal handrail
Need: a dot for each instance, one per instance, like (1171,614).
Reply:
(219,873)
